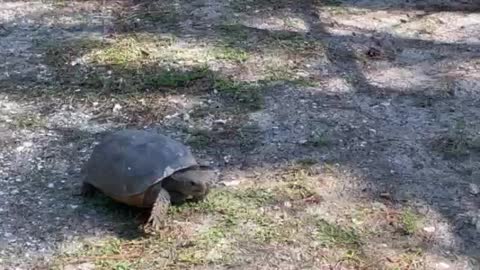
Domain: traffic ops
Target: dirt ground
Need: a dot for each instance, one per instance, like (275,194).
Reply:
(346,133)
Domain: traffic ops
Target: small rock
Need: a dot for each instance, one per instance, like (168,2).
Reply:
(442,265)
(474,189)
(231,183)
(429,229)
(386,103)
(27,144)
(386,195)
(83,266)
(374,52)
(15,191)
(116,108)
(378,205)
(220,121)
(73,206)
(50,185)
(302,141)
(287,204)
(172,115)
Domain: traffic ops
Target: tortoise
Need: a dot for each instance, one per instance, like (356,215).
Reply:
(146,170)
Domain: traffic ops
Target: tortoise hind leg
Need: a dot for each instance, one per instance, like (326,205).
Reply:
(159,210)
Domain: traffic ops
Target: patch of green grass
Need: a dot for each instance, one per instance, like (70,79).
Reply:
(249,95)
(24,121)
(279,74)
(122,266)
(334,235)
(236,209)
(199,138)
(304,82)
(122,52)
(230,54)
(457,142)
(174,78)
(233,209)
(320,139)
(453,146)
(234,33)
(110,248)
(409,221)
(297,190)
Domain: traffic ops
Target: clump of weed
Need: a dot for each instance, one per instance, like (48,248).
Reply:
(233,209)
(174,78)
(319,138)
(234,34)
(335,235)
(457,142)
(122,52)
(199,138)
(230,54)
(409,221)
(247,94)
(24,121)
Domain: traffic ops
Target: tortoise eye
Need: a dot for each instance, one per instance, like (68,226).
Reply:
(192,183)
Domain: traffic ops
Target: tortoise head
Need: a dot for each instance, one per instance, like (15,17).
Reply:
(194,181)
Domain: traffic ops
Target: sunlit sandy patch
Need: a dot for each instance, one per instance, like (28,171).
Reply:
(447,27)
(273,23)
(362,19)
(401,79)
(335,85)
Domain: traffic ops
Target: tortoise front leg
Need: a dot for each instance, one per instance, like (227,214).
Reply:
(159,210)
(177,197)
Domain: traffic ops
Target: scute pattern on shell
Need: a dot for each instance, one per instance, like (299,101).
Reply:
(128,162)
